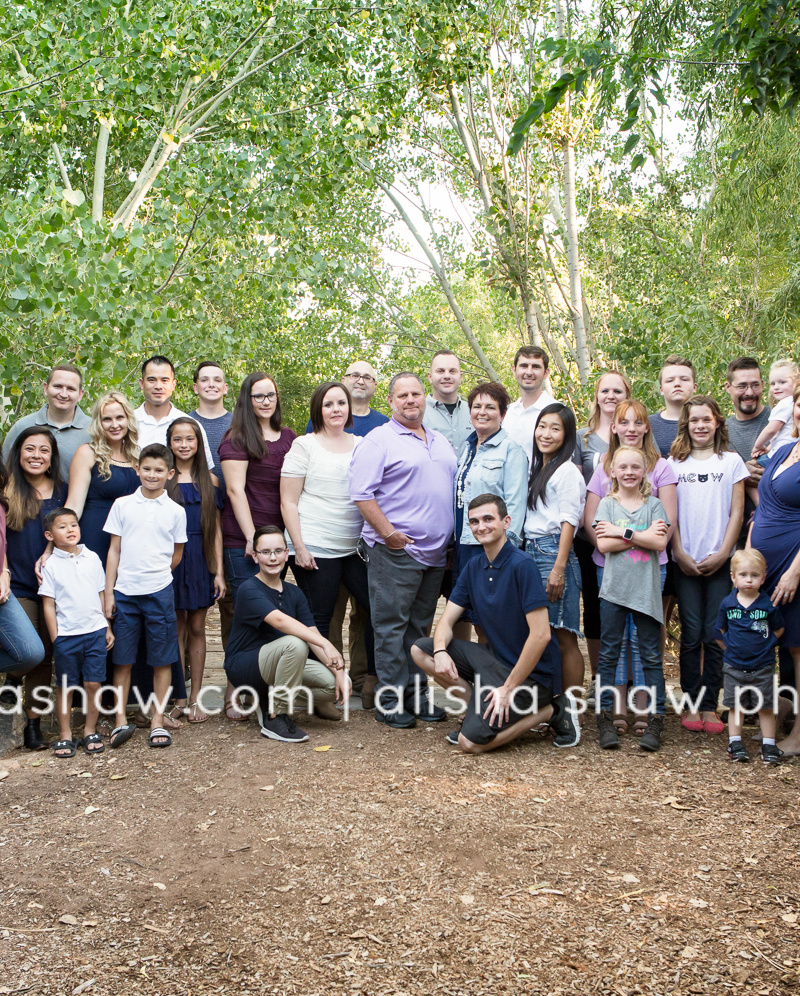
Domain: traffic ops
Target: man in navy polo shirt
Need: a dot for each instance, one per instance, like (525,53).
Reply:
(511,684)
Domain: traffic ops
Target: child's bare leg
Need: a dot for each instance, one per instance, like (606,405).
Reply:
(735,722)
(621,708)
(641,717)
(92,689)
(122,684)
(64,705)
(162,677)
(768,722)
(196,649)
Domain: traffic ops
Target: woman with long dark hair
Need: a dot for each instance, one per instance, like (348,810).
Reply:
(556,496)
(34,488)
(251,457)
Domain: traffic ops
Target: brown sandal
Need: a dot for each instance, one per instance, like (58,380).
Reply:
(620,723)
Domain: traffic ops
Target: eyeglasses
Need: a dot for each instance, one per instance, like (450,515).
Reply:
(367,378)
(270,553)
(261,398)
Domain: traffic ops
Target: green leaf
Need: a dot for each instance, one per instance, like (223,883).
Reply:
(74,197)
(631,143)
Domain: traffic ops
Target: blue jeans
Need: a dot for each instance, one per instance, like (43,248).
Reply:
(238,568)
(612,619)
(20,646)
(699,599)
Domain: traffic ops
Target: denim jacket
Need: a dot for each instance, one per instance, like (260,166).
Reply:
(500,467)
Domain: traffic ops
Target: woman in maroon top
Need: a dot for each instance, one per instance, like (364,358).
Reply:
(251,456)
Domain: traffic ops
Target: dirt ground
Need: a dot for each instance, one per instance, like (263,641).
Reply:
(377,861)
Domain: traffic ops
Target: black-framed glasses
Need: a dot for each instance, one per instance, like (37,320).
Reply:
(367,378)
(261,398)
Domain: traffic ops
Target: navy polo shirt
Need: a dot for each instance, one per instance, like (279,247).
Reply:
(254,601)
(500,594)
(749,632)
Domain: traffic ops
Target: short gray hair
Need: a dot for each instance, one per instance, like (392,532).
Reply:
(400,376)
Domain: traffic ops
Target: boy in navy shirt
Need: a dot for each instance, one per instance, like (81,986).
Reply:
(750,626)
(511,684)
(73,582)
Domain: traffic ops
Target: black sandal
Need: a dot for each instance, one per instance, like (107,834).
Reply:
(93,738)
(65,745)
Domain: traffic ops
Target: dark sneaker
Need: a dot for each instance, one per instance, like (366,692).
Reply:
(283,729)
(738,752)
(608,733)
(564,721)
(452,738)
(651,738)
(401,720)
(429,713)
(771,754)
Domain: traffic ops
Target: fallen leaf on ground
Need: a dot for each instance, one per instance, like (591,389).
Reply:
(283,888)
(68,918)
(467,900)
(325,900)
(118,778)
(160,885)
(380,901)
(630,878)
(327,747)
(91,809)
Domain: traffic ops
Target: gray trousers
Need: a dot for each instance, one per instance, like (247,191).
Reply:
(402,599)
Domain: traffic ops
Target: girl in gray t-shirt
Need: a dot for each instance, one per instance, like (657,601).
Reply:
(631,529)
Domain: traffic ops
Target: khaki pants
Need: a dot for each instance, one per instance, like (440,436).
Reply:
(285,667)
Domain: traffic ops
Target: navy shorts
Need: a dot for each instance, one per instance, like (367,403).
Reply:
(476,661)
(80,658)
(155,614)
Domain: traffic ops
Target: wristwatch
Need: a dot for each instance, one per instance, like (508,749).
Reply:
(627,534)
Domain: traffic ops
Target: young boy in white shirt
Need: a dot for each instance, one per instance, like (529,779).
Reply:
(148,532)
(73,582)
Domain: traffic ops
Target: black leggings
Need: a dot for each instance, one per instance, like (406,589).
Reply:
(321,588)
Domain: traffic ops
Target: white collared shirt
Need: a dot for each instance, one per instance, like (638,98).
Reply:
(149,528)
(155,431)
(74,580)
(520,422)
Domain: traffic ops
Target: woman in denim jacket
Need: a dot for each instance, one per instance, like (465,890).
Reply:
(492,463)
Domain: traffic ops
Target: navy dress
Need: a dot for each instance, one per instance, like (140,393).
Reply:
(776,532)
(99,498)
(193,582)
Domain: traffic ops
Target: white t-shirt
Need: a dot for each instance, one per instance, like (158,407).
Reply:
(565,496)
(149,528)
(74,580)
(152,431)
(782,412)
(705,489)
(330,523)
(520,422)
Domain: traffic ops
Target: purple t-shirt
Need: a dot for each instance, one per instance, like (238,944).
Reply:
(412,481)
(660,476)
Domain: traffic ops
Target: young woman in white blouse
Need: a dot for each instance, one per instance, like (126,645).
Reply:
(322,523)
(556,496)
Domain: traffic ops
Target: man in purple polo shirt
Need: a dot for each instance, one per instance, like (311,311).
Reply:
(401,479)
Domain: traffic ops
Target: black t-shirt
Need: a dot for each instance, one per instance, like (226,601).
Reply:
(254,601)
(749,632)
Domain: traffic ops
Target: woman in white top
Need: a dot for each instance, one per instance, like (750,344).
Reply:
(556,496)
(322,522)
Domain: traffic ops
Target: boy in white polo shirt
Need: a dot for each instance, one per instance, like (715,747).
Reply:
(73,582)
(148,531)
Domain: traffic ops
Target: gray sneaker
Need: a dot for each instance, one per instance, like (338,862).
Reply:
(283,729)
(608,732)
(651,738)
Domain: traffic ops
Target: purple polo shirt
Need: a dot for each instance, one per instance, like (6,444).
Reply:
(412,481)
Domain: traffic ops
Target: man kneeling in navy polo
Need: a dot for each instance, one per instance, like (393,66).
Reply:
(511,683)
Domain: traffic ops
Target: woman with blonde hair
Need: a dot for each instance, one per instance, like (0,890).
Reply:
(104,469)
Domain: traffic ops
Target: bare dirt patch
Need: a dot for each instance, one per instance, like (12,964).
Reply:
(391,863)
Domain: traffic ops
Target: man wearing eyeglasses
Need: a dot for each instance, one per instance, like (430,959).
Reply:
(361,380)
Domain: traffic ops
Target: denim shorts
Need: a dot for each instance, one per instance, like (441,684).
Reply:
(155,615)
(81,658)
(566,612)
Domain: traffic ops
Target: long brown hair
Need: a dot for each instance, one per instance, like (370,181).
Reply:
(23,499)
(245,432)
(203,485)
(651,454)
(594,416)
(682,445)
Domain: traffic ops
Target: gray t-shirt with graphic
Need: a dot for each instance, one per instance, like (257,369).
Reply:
(632,577)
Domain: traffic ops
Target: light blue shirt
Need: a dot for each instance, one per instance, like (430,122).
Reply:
(455,428)
(499,467)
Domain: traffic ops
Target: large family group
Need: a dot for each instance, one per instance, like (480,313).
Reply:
(120,530)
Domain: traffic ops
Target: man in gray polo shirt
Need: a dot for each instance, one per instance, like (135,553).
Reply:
(445,411)
(60,413)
